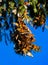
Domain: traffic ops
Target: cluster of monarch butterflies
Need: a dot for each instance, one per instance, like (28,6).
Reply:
(19,14)
(23,39)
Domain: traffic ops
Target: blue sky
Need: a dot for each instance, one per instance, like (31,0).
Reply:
(9,57)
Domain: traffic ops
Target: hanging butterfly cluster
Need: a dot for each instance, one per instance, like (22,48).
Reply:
(23,39)
(15,15)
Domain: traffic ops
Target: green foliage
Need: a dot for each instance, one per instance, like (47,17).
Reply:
(21,2)
(11,4)
(21,10)
(34,3)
